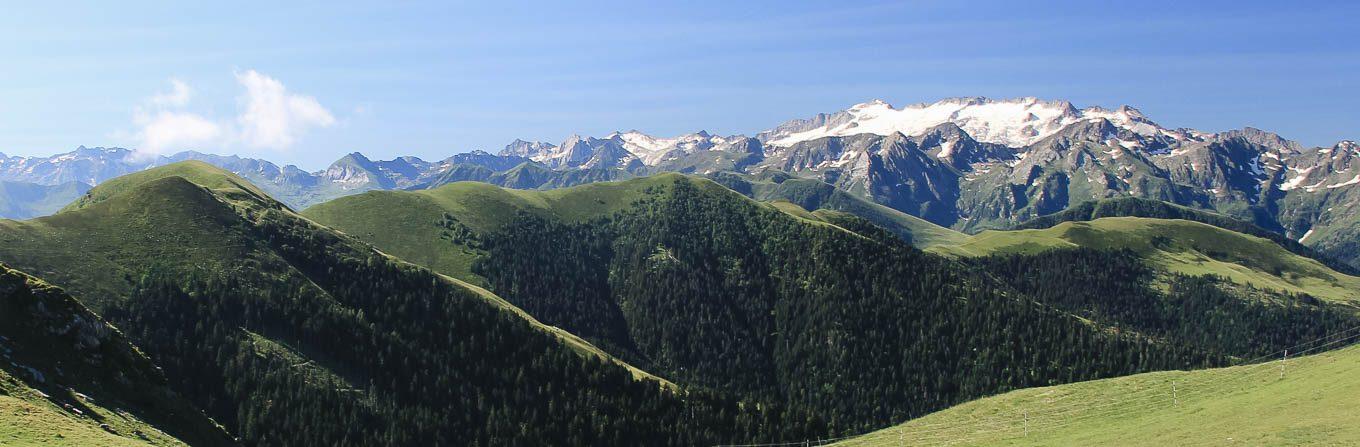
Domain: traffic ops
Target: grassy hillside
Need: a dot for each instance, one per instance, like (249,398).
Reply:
(713,289)
(141,250)
(1313,403)
(1339,233)
(1178,246)
(1139,207)
(709,287)
(67,378)
(227,185)
(423,226)
(184,213)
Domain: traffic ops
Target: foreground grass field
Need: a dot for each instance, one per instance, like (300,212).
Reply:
(26,418)
(1314,402)
(1178,246)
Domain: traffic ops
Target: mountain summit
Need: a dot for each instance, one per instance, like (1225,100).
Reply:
(1014,122)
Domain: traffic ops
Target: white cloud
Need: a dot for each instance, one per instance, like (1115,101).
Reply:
(166,130)
(162,127)
(268,117)
(274,118)
(178,96)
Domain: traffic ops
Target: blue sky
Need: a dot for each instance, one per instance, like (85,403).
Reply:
(307,83)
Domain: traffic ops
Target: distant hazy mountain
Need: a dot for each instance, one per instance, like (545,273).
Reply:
(20,200)
(86,165)
(42,185)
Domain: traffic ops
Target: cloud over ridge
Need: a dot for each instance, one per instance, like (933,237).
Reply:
(268,117)
(274,118)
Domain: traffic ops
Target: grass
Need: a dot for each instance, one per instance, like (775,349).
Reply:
(312,372)
(403,223)
(199,173)
(1178,246)
(1314,403)
(191,215)
(27,418)
(95,248)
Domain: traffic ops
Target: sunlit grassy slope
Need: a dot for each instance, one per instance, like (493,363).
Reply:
(26,418)
(404,223)
(188,214)
(1178,246)
(1314,403)
(196,172)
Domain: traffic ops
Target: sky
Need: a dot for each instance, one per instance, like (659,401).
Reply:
(306,83)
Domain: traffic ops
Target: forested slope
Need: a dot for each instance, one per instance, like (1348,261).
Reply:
(291,334)
(709,288)
(68,378)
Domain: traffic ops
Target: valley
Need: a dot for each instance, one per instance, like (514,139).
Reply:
(679,224)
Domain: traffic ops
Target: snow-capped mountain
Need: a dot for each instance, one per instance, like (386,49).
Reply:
(1011,122)
(1326,168)
(85,165)
(527,149)
(621,149)
(965,163)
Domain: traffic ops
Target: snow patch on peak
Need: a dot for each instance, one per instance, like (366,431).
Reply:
(1348,145)
(947,148)
(1014,122)
(1353,181)
(619,147)
(652,150)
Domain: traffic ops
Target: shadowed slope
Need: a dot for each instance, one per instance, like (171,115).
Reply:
(69,378)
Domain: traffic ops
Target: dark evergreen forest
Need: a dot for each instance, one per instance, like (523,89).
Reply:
(406,359)
(857,325)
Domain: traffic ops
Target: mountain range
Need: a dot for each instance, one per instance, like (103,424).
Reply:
(667,309)
(967,164)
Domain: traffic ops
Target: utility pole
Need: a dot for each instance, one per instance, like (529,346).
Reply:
(1174,396)
(1026,423)
(1282,360)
